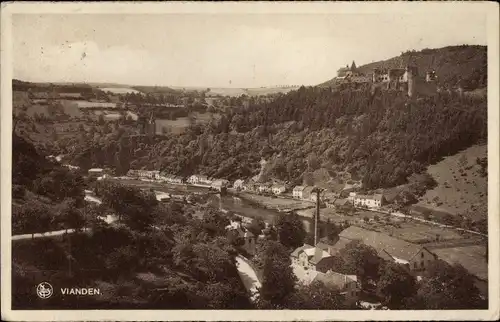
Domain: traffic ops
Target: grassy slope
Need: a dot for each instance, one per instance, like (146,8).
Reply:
(457,194)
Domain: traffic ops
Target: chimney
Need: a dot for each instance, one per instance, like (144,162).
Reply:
(316,218)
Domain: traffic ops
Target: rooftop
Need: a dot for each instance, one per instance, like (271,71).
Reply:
(470,257)
(382,242)
(296,252)
(335,279)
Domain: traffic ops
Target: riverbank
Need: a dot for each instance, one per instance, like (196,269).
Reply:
(273,203)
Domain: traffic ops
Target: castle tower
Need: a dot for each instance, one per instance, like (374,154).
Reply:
(353,66)
(412,74)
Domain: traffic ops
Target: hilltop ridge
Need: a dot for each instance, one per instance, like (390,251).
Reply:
(464,65)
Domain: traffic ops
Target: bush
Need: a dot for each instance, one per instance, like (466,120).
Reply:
(18,191)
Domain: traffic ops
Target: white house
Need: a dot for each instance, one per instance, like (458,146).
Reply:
(239,184)
(264,188)
(204,180)
(278,189)
(171,178)
(193,179)
(219,184)
(144,174)
(96,172)
(347,284)
(199,179)
(375,201)
(297,192)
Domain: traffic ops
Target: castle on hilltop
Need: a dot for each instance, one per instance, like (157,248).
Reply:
(405,79)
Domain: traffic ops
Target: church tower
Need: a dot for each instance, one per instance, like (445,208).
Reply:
(353,66)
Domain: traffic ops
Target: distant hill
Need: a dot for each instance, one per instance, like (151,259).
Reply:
(454,65)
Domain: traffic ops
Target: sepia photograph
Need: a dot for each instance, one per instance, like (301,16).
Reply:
(263,157)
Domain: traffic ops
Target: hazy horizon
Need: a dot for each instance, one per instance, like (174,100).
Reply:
(223,50)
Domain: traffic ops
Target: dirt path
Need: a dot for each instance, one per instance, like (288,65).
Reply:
(248,276)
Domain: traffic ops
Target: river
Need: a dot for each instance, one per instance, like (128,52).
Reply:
(227,202)
(247,209)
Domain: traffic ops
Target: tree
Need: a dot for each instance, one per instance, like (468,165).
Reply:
(134,206)
(32,217)
(100,119)
(214,222)
(308,179)
(291,230)
(395,284)
(312,162)
(361,260)
(256,226)
(70,216)
(278,279)
(315,296)
(447,287)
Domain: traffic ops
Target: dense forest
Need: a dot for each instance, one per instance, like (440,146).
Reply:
(179,256)
(379,137)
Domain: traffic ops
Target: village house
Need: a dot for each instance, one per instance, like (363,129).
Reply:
(171,178)
(416,257)
(297,192)
(347,284)
(204,180)
(95,172)
(144,174)
(264,187)
(193,179)
(339,204)
(95,105)
(314,258)
(236,227)
(314,196)
(250,187)
(374,201)
(70,96)
(307,193)
(199,179)
(239,184)
(219,184)
(71,167)
(473,259)
(347,71)
(278,189)
(312,264)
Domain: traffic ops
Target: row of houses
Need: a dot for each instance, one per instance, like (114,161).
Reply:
(250,186)
(318,262)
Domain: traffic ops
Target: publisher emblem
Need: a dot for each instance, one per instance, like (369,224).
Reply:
(44,290)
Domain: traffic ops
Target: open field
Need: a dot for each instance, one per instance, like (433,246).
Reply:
(249,91)
(460,188)
(180,124)
(470,257)
(119,90)
(277,203)
(409,230)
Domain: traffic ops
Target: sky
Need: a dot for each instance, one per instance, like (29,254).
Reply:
(223,50)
